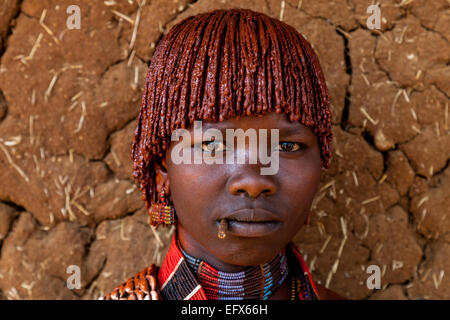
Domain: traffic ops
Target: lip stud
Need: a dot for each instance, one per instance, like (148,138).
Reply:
(222,228)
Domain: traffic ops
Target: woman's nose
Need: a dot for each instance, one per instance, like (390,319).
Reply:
(252,184)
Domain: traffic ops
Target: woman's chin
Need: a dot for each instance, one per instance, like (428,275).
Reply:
(248,258)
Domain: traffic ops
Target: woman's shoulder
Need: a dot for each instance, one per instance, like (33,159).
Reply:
(327,294)
(142,286)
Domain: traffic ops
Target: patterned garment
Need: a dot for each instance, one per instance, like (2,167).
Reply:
(176,281)
(258,282)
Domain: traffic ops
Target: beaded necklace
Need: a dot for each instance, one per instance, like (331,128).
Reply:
(257,282)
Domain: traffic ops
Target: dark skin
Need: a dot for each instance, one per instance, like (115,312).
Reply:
(203,193)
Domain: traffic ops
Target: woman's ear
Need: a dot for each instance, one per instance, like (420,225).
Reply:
(162,179)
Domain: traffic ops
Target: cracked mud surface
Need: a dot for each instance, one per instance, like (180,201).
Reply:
(68,103)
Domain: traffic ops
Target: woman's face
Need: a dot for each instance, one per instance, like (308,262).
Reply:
(264,212)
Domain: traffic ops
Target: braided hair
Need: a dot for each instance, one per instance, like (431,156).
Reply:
(227,64)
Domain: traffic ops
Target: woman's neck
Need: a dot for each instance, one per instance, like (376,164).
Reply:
(255,282)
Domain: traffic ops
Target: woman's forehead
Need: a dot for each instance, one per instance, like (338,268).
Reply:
(271,120)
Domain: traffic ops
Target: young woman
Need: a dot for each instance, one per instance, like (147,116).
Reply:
(242,71)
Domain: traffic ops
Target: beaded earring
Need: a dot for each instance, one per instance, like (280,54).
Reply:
(162,212)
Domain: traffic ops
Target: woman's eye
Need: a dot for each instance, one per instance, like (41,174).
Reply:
(289,146)
(213,146)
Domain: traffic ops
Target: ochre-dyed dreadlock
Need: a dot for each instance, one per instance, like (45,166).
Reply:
(224,64)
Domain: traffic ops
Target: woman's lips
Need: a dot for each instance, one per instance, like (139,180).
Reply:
(251,222)
(252,229)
